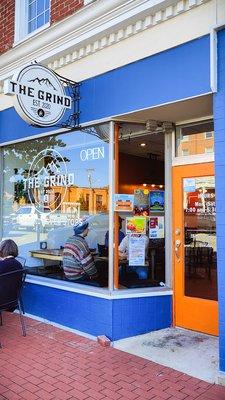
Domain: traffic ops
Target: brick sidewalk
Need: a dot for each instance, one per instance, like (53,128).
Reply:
(54,364)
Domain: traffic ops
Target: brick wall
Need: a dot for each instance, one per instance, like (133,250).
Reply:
(7,15)
(63,8)
(219,127)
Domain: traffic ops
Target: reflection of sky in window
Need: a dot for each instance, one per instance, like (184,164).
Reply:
(76,142)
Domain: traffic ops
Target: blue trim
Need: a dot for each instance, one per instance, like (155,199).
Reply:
(116,319)
(219,127)
(172,75)
(175,74)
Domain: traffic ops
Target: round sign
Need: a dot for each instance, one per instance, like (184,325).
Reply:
(40,96)
(48,180)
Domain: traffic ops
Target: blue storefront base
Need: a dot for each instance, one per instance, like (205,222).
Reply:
(219,127)
(115,318)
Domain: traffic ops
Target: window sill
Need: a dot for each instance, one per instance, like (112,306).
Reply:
(193,159)
(30,35)
(99,292)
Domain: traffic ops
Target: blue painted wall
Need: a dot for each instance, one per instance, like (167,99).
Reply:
(219,127)
(178,73)
(116,319)
(141,315)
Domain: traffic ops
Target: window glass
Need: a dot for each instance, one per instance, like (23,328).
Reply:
(199,205)
(141,210)
(49,184)
(194,139)
(38,14)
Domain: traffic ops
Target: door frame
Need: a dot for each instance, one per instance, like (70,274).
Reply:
(180,300)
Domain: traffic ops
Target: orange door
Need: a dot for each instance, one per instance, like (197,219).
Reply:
(194,241)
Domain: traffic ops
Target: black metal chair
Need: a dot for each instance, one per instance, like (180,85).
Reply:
(11,284)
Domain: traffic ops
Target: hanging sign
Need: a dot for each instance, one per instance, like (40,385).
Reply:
(40,97)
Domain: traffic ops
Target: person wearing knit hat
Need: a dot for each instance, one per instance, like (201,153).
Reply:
(78,262)
(80,227)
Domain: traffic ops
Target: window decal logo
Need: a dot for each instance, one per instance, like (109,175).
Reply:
(48,180)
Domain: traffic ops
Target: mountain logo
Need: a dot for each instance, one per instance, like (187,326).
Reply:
(43,81)
(51,168)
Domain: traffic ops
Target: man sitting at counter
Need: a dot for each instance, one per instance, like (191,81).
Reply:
(78,262)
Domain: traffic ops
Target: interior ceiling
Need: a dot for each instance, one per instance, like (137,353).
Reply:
(133,133)
(198,107)
(154,145)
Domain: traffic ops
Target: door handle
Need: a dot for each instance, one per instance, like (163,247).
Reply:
(177,246)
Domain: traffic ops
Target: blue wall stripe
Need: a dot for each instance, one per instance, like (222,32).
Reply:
(178,73)
(175,74)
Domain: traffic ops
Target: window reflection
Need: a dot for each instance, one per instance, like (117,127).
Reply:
(195,139)
(49,184)
(200,237)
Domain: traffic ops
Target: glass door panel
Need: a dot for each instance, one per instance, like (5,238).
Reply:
(200,237)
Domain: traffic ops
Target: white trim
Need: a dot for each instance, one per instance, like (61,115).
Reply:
(31,34)
(63,327)
(111,209)
(221,378)
(91,29)
(193,159)
(98,292)
(86,2)
(213,61)
(21,23)
(195,120)
(168,137)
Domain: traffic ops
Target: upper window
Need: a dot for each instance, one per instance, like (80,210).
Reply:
(38,14)
(31,15)
(208,135)
(198,138)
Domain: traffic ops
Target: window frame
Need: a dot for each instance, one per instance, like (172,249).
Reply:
(21,22)
(191,159)
(109,292)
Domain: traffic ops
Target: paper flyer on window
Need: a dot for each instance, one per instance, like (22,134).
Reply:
(136,250)
(156,227)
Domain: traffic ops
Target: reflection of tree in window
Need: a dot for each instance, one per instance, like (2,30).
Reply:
(58,201)
(26,152)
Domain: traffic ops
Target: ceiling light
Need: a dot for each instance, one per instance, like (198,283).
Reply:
(153,185)
(144,184)
(142,144)
(161,186)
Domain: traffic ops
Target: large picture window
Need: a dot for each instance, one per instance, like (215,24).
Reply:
(49,184)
